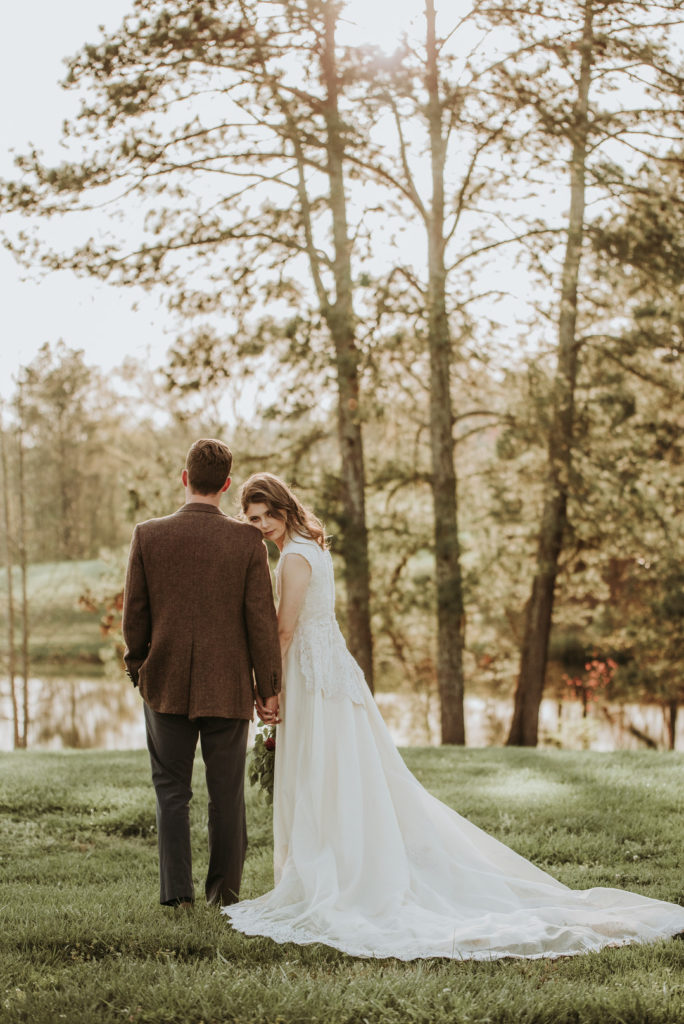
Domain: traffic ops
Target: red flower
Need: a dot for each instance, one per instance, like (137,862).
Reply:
(269,742)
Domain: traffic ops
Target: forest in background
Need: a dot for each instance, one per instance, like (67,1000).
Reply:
(487,417)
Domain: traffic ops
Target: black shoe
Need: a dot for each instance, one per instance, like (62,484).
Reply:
(180,903)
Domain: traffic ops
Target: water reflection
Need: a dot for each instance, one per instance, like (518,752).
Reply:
(107,714)
(81,713)
(413,721)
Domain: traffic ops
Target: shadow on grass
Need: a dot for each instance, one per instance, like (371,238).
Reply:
(84,940)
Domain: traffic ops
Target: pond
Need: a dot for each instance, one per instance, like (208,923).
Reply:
(107,714)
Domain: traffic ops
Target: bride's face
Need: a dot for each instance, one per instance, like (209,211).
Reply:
(271,528)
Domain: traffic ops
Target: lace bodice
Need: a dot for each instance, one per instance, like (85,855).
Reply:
(318,645)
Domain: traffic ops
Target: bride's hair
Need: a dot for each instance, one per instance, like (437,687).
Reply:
(269,490)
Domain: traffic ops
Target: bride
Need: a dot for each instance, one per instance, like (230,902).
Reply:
(365,859)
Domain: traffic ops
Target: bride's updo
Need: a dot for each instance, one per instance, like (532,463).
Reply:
(267,489)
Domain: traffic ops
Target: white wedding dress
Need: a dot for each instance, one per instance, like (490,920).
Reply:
(367,861)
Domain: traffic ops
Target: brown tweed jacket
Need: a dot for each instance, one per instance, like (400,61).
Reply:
(199,622)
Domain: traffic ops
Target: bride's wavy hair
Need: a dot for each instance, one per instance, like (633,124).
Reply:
(269,490)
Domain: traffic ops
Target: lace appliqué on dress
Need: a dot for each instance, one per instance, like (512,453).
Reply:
(326,664)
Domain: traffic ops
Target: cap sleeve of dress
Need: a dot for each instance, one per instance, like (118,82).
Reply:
(303,546)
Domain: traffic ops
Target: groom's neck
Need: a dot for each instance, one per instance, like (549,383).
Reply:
(205,499)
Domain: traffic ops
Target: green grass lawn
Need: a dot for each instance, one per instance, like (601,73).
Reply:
(84,940)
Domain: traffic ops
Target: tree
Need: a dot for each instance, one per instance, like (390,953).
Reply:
(276,132)
(630,439)
(553,520)
(19,732)
(62,415)
(438,180)
(450,605)
(22,551)
(594,45)
(338,313)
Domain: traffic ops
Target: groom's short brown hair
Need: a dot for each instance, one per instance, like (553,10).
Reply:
(208,464)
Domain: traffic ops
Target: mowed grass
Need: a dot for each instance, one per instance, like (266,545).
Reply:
(84,940)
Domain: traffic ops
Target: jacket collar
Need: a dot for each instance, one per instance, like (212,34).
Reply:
(200,506)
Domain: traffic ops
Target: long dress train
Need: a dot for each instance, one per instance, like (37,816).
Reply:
(367,861)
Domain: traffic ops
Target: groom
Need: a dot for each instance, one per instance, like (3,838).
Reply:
(200,630)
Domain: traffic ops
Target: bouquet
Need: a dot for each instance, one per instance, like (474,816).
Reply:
(262,761)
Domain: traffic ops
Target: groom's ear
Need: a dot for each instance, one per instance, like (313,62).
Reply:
(225,486)
(184,478)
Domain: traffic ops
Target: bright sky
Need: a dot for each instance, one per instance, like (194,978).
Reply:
(102,320)
(36,37)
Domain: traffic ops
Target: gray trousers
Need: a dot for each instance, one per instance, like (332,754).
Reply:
(171,741)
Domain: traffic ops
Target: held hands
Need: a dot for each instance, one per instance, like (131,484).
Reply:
(268,710)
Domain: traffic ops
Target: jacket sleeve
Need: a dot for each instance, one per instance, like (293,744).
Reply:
(136,623)
(262,624)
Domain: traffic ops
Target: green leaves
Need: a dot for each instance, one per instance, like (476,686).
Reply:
(261,767)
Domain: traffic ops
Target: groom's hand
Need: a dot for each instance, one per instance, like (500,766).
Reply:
(268,710)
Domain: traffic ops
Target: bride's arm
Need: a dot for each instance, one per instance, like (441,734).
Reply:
(294,580)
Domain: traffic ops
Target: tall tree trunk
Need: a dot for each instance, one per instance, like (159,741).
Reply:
(65,498)
(539,608)
(670,710)
(23,568)
(450,609)
(339,316)
(11,663)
